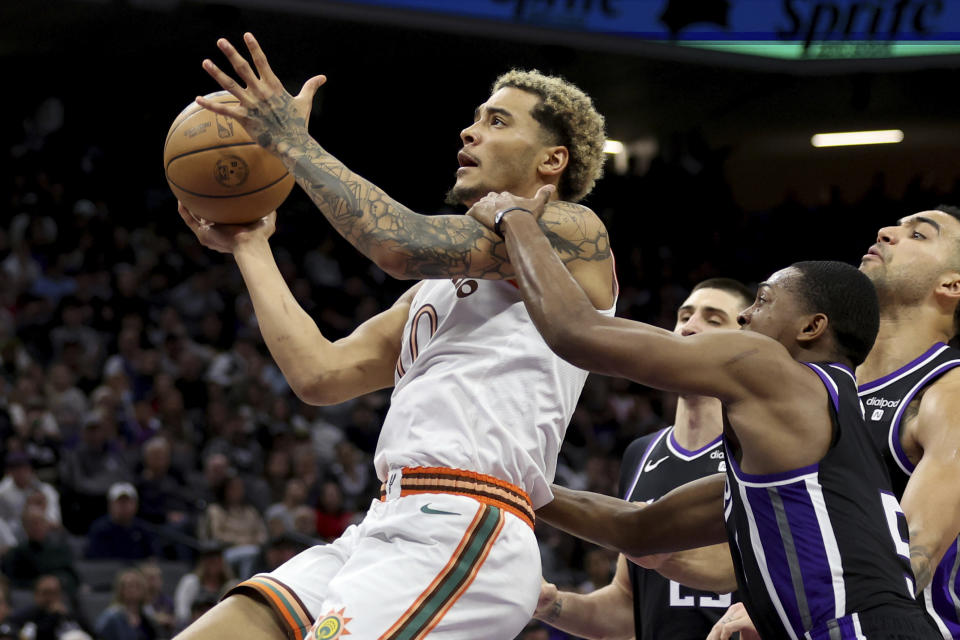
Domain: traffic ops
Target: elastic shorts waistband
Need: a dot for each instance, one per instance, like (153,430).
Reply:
(486,489)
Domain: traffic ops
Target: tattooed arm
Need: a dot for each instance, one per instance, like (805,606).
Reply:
(403,243)
(931,500)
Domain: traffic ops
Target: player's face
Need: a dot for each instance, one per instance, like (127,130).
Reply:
(775,311)
(908,258)
(708,309)
(501,149)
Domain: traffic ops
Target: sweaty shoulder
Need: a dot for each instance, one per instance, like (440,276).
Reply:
(580,239)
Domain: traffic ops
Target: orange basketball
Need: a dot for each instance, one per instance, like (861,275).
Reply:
(218,171)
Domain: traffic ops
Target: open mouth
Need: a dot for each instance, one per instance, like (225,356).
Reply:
(466,160)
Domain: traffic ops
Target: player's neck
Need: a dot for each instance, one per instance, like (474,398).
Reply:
(699,421)
(905,334)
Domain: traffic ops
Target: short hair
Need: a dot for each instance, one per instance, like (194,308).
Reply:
(731,286)
(849,300)
(568,114)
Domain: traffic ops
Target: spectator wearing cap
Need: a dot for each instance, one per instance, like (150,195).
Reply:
(120,534)
(126,618)
(19,482)
(41,553)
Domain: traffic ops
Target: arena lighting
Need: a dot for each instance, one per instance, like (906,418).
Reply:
(613,147)
(849,138)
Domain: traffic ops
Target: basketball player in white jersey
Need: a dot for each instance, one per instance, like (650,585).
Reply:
(480,404)
(637,603)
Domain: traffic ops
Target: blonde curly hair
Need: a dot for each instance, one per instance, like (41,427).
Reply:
(568,114)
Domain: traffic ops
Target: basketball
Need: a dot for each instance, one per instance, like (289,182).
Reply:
(217,171)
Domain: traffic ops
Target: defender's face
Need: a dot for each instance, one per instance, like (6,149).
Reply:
(909,256)
(775,310)
(501,149)
(707,310)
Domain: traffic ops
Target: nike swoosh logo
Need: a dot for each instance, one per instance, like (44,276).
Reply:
(426,509)
(653,465)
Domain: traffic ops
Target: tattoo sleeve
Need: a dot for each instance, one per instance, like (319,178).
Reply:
(410,244)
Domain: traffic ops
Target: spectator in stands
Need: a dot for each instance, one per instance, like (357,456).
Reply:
(294,496)
(210,578)
(40,554)
(19,482)
(67,402)
(216,470)
(126,618)
(120,534)
(276,473)
(332,517)
(158,605)
(279,549)
(164,496)
(235,523)
(352,473)
(49,617)
(88,472)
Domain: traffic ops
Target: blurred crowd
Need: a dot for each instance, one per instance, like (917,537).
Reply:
(153,454)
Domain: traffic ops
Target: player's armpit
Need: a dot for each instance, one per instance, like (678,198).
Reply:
(931,500)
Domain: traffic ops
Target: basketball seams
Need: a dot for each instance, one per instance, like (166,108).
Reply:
(166,168)
(229,195)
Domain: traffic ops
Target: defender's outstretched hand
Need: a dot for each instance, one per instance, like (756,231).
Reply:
(268,113)
(225,238)
(486,209)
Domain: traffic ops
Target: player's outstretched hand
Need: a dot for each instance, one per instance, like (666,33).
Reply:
(225,238)
(267,111)
(485,210)
(733,620)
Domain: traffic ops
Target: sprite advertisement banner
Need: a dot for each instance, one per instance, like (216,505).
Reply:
(794,29)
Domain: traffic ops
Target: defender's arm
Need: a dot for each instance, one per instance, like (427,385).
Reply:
(604,614)
(931,501)
(718,363)
(687,517)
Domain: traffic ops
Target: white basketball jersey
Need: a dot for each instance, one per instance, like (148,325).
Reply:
(478,389)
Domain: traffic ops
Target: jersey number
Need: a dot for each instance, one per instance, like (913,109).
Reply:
(894,514)
(720,600)
(422,328)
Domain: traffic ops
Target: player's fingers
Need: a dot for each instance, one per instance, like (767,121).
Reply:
(259,59)
(239,63)
(197,225)
(228,83)
(543,195)
(236,112)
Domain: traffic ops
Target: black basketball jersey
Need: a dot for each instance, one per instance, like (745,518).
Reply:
(664,609)
(816,546)
(885,401)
